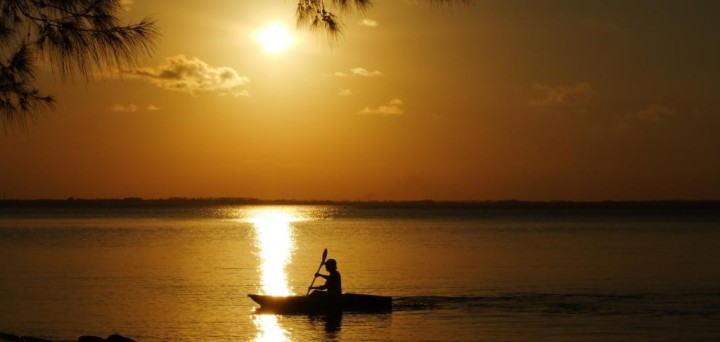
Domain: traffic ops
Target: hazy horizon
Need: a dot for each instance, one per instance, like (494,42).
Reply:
(503,203)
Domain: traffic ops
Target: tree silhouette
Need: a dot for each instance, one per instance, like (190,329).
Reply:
(77,38)
(321,14)
(317,15)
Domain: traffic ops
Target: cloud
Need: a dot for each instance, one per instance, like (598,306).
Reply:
(562,95)
(655,113)
(368,22)
(236,93)
(191,75)
(365,73)
(118,107)
(345,92)
(359,72)
(395,107)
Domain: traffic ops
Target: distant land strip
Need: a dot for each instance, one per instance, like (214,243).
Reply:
(130,202)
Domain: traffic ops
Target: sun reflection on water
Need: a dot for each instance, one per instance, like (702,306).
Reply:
(274,235)
(275,242)
(269,330)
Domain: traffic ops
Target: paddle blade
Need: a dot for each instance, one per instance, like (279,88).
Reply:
(324,256)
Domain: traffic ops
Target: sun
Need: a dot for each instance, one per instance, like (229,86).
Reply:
(275,38)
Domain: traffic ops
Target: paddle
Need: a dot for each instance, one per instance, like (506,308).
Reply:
(319,267)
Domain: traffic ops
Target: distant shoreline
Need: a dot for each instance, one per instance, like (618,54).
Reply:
(136,202)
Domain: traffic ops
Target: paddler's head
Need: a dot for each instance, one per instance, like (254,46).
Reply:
(331,265)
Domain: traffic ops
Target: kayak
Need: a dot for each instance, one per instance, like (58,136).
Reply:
(322,304)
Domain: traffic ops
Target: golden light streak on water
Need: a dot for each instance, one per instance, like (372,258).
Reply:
(269,329)
(275,243)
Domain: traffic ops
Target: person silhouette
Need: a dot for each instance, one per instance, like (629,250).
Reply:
(333,281)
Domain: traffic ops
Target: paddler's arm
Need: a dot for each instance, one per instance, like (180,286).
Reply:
(320,287)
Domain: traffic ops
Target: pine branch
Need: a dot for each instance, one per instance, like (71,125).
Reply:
(79,38)
(18,98)
(319,15)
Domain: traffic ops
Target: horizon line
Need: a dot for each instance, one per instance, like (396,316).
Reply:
(253,200)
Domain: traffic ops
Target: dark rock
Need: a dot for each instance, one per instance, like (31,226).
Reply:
(9,337)
(5,337)
(14,338)
(111,338)
(90,339)
(33,339)
(118,338)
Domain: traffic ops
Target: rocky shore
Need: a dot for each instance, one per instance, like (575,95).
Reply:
(112,338)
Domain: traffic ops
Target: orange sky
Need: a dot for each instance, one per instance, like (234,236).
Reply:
(531,100)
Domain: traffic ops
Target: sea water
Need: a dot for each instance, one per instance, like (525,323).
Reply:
(455,272)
